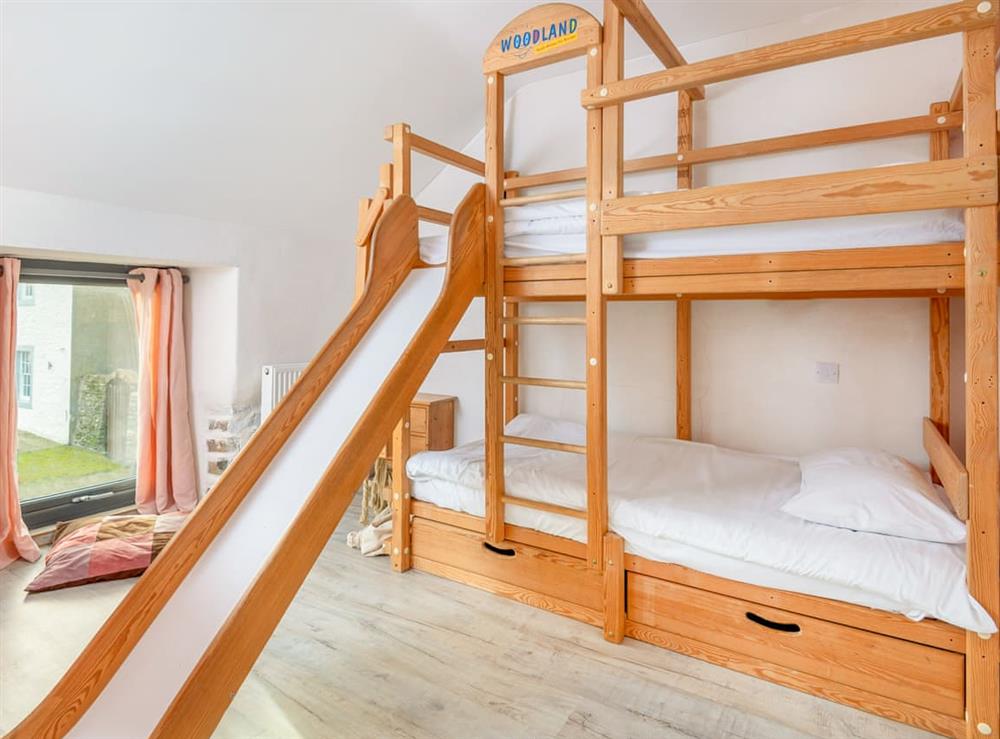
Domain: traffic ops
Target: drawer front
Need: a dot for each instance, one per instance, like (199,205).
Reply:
(542,571)
(418,443)
(418,419)
(903,670)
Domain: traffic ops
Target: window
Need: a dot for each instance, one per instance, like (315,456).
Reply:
(25,294)
(77,369)
(23,368)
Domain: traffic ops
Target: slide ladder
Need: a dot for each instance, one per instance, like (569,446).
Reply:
(170,658)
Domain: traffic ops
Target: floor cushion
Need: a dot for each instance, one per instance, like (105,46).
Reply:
(106,548)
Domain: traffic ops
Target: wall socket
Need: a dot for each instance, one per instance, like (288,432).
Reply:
(828,372)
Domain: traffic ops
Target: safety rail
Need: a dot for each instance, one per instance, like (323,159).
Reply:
(921,124)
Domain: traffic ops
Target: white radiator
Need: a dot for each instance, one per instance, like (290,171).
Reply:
(275,382)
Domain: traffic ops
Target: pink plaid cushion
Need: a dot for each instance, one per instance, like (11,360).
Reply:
(110,548)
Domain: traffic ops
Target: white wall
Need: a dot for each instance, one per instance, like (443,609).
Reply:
(753,361)
(254,297)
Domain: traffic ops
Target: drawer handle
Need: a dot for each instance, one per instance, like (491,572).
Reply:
(502,551)
(769,624)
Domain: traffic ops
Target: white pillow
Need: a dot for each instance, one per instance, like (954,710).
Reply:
(871,490)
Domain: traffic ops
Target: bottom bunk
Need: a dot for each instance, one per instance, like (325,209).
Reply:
(802,629)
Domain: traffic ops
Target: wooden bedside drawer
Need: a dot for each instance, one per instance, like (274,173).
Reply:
(418,419)
(882,665)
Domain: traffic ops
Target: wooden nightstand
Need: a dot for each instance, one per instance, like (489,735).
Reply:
(432,424)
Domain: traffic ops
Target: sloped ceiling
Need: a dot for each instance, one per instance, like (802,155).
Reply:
(262,113)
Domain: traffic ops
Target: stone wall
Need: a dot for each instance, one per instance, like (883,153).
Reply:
(107,415)
(228,431)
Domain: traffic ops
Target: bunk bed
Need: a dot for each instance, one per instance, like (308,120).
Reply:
(928,673)
(926,230)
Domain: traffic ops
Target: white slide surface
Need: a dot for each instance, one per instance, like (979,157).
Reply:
(142,689)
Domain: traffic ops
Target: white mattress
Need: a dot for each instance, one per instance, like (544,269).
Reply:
(714,510)
(559,228)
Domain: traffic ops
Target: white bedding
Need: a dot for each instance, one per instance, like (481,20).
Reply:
(712,509)
(559,228)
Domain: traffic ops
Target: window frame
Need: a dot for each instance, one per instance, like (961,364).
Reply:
(81,502)
(23,401)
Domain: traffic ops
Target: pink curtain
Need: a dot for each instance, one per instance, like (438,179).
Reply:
(15,542)
(165,474)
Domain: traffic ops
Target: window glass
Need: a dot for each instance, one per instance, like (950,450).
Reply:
(77,362)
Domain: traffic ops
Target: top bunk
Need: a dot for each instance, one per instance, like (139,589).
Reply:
(895,230)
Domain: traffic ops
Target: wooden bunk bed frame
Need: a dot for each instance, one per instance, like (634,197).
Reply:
(928,674)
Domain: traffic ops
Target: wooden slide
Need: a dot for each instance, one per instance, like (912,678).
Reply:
(173,654)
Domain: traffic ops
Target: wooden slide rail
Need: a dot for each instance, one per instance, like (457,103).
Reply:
(203,699)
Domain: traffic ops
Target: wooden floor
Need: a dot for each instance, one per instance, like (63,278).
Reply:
(364,652)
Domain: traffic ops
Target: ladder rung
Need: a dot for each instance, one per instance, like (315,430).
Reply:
(545,382)
(556,446)
(545,321)
(550,259)
(543,197)
(538,505)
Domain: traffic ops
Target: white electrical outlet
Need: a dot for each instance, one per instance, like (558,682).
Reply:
(828,372)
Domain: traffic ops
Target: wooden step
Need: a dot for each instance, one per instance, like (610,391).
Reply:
(546,259)
(545,321)
(543,197)
(556,446)
(545,382)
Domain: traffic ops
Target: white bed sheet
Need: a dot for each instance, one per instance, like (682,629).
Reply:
(714,510)
(559,228)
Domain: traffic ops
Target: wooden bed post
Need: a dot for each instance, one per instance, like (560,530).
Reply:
(683,365)
(614,588)
(613,152)
(511,360)
(401,503)
(597,317)
(400,159)
(684,141)
(940,351)
(982,654)
(940,314)
(494,306)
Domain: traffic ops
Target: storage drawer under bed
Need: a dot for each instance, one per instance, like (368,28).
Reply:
(901,670)
(548,574)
